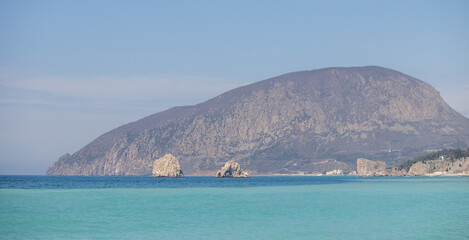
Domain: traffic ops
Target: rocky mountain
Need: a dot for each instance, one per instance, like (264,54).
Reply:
(309,121)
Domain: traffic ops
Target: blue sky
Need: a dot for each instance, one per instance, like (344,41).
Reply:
(72,70)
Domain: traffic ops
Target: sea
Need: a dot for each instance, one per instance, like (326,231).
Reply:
(270,207)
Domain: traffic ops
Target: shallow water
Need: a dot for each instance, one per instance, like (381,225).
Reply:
(42,207)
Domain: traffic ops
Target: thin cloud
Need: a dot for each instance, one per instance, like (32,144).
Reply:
(125,88)
(110,91)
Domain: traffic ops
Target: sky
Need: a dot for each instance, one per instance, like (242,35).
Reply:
(73,70)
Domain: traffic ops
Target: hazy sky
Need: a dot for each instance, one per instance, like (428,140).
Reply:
(73,70)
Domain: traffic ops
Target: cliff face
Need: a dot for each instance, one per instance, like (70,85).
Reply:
(370,168)
(311,121)
(440,167)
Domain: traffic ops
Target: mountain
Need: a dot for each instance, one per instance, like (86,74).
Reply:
(308,121)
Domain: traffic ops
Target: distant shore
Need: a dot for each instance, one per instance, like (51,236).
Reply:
(436,174)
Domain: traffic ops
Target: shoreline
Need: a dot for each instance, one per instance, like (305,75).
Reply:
(435,174)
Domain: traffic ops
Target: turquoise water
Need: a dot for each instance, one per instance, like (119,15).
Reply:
(210,208)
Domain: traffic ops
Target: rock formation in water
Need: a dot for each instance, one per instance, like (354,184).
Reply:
(167,166)
(232,169)
(310,121)
(370,168)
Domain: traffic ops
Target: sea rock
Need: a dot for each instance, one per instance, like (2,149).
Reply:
(167,166)
(232,169)
(371,168)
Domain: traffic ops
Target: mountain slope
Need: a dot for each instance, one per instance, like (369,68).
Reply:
(304,121)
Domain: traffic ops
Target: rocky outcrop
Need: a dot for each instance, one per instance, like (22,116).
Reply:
(167,166)
(397,172)
(419,169)
(442,167)
(58,167)
(371,168)
(290,123)
(232,169)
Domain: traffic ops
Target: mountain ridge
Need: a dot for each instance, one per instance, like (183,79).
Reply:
(311,121)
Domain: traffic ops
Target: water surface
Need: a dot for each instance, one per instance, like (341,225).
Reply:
(43,207)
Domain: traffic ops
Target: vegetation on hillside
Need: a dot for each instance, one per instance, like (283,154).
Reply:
(449,154)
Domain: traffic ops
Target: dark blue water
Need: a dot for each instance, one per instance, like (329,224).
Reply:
(92,182)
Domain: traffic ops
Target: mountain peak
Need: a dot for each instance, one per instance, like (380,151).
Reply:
(307,121)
